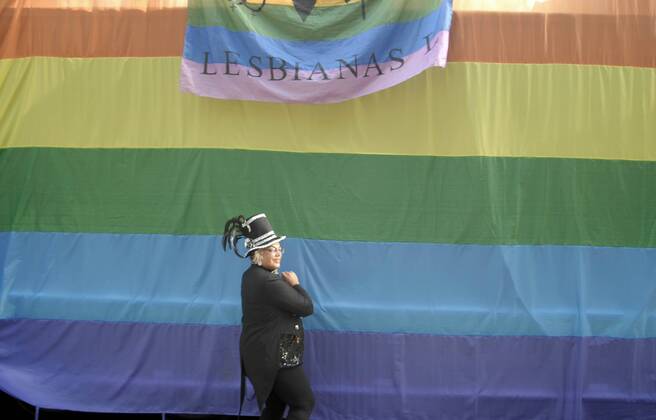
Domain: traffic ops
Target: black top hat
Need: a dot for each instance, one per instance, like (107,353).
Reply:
(256,230)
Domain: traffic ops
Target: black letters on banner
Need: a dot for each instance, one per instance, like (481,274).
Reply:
(320,70)
(428,45)
(398,59)
(283,65)
(207,55)
(297,68)
(353,69)
(278,66)
(375,65)
(228,62)
(255,66)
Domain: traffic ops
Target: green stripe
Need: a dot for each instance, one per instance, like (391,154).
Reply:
(331,196)
(324,23)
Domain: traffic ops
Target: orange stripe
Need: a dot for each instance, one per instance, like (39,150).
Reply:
(576,37)
(101,32)
(595,7)
(505,37)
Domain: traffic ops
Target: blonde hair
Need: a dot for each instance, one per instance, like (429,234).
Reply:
(256,257)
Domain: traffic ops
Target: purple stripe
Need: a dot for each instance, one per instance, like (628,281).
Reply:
(317,90)
(125,367)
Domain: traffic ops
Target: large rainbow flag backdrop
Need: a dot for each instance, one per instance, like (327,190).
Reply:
(309,50)
(479,240)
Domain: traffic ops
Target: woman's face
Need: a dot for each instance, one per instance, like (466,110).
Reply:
(272,256)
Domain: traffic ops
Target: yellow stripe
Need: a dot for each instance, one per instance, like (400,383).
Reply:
(469,109)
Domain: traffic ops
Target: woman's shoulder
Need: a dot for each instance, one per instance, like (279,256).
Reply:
(260,273)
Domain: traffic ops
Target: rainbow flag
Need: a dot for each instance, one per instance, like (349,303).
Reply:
(310,51)
(479,241)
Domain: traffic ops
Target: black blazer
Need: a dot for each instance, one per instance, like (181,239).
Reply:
(270,307)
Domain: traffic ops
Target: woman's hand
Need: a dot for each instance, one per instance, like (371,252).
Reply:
(290,277)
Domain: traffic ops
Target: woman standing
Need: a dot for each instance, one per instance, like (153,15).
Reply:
(271,343)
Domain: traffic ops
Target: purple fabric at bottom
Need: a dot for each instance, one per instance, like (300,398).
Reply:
(129,367)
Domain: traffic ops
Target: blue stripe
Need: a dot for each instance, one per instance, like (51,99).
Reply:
(407,36)
(357,286)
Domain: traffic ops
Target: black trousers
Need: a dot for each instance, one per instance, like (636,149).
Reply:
(290,389)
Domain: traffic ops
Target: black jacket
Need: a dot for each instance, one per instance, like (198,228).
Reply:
(270,307)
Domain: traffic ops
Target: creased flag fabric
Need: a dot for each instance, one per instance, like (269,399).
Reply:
(479,241)
(310,52)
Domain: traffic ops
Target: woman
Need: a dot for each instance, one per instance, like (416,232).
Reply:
(271,343)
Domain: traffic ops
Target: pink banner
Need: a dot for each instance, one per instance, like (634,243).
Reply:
(232,81)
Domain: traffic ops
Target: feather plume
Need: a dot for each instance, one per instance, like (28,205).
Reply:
(235,229)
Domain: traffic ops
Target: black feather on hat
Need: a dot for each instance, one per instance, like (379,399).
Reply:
(256,230)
